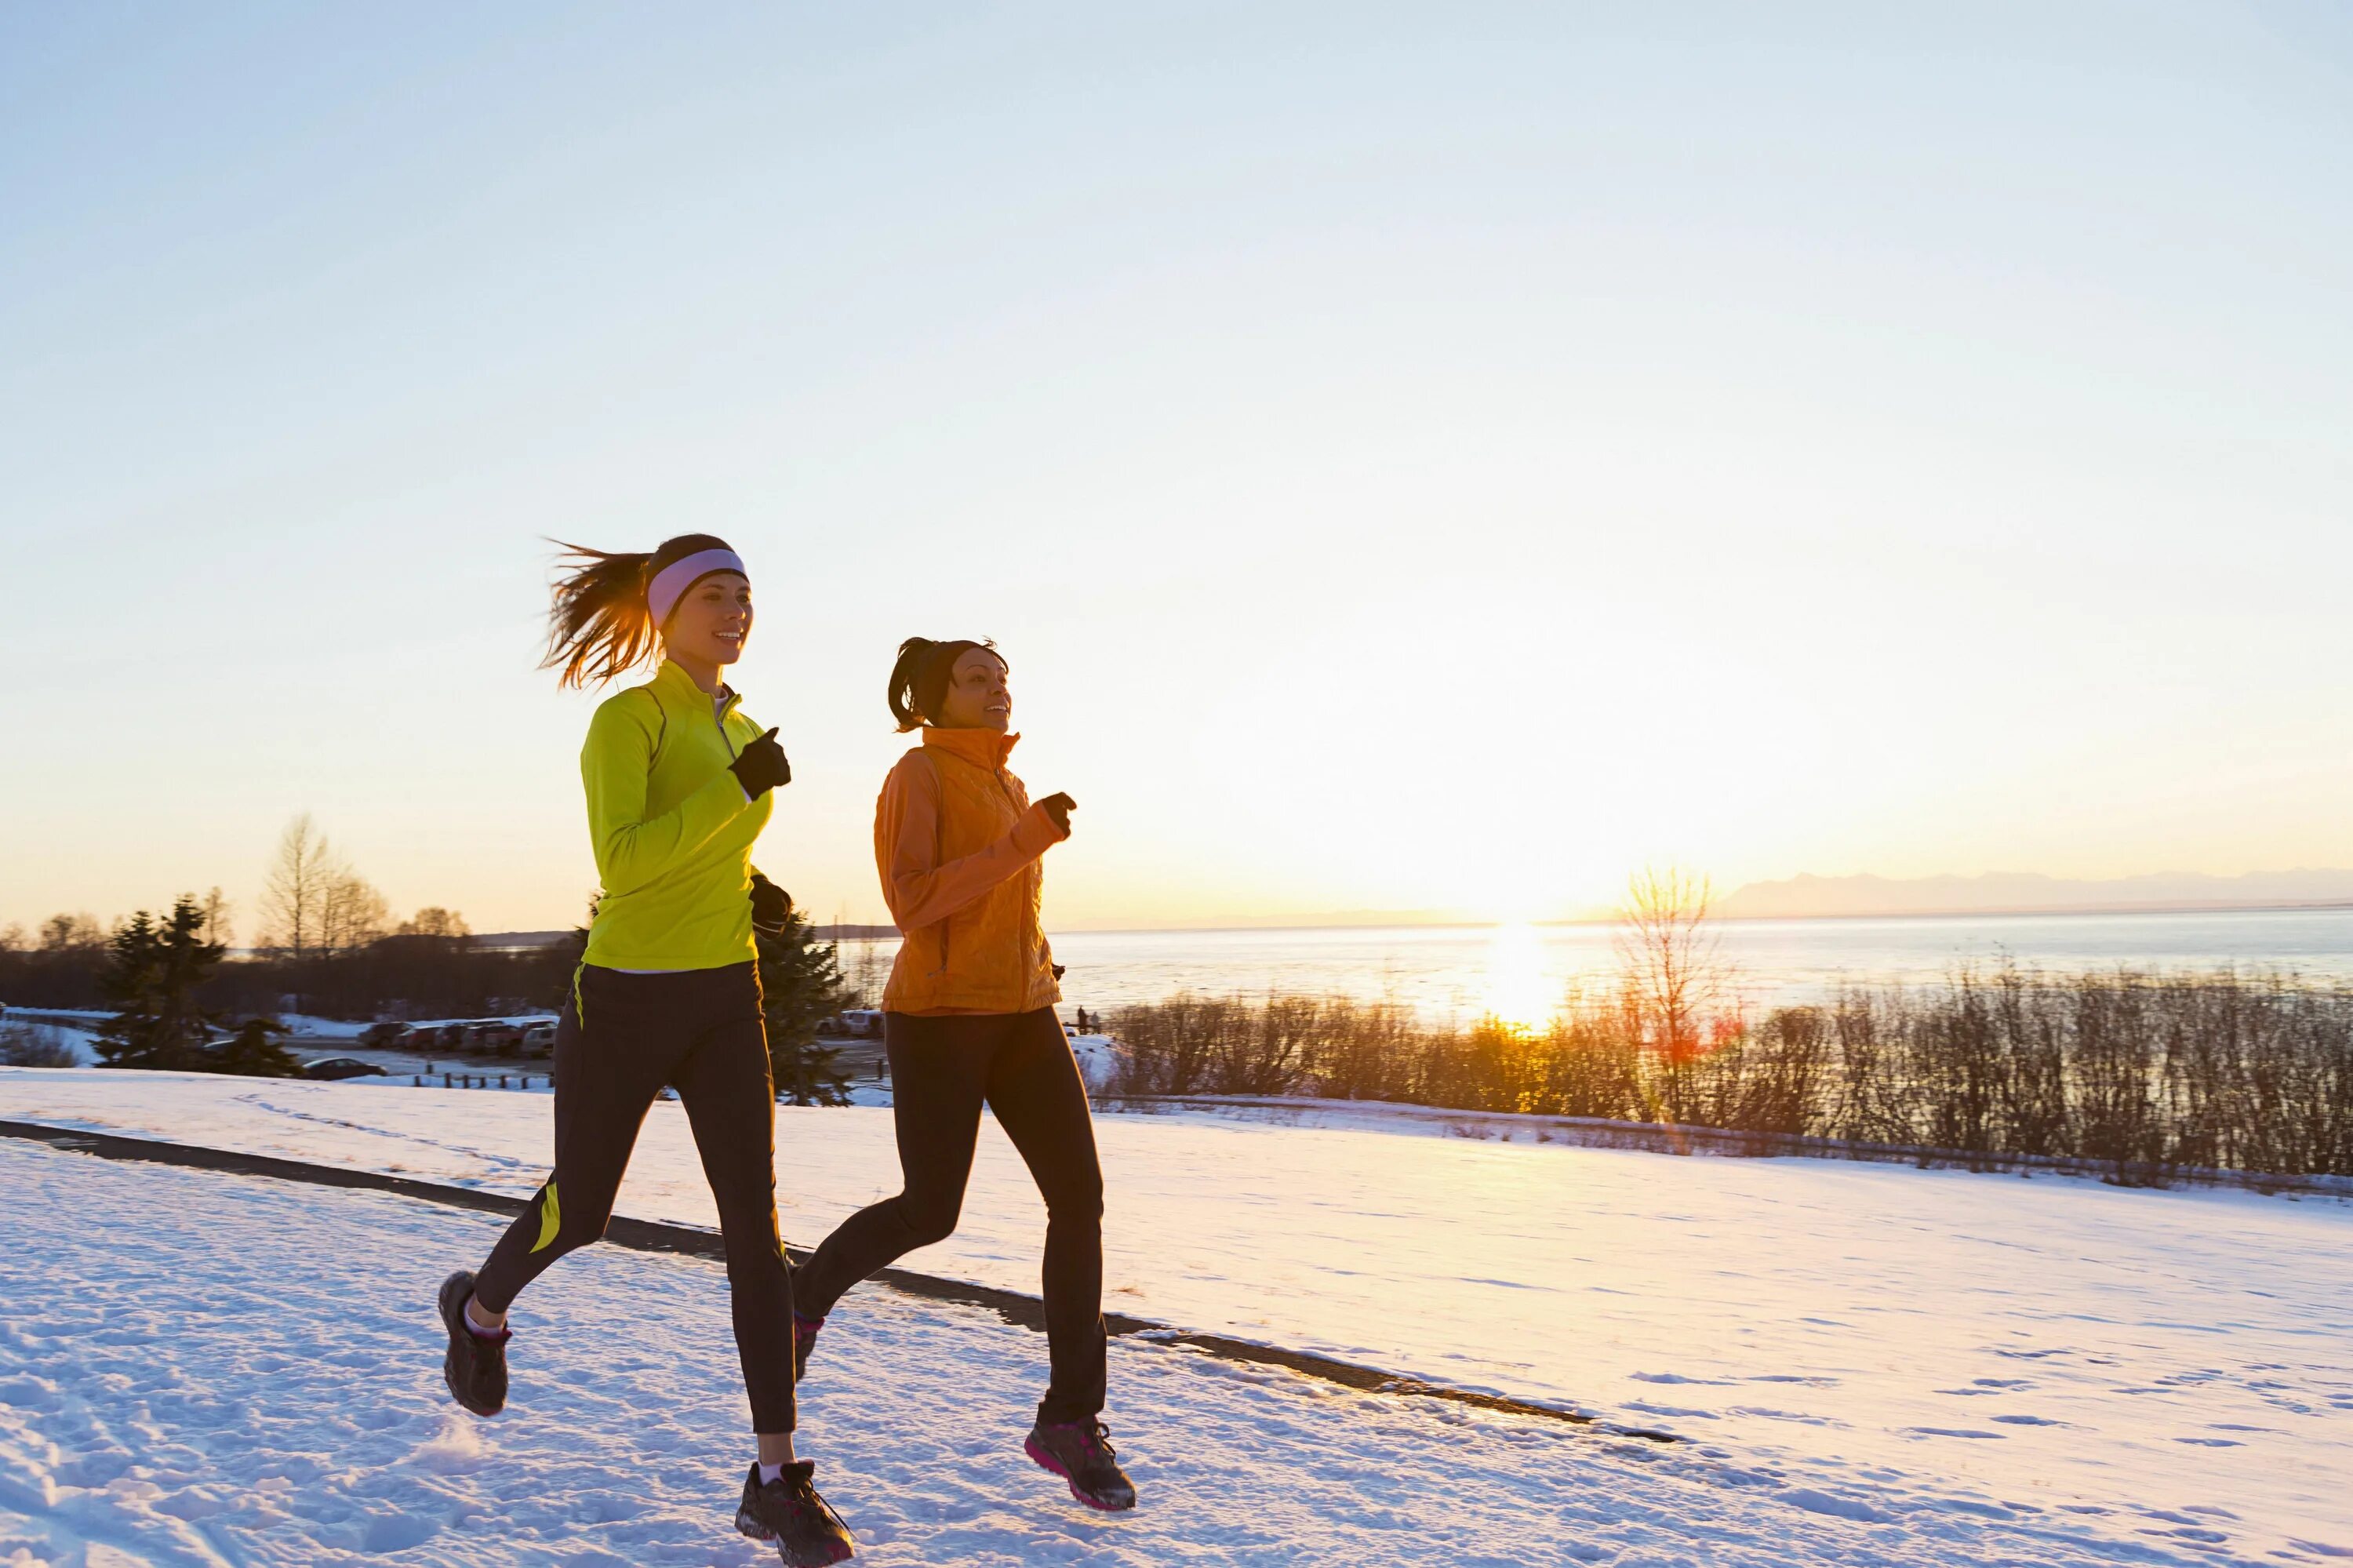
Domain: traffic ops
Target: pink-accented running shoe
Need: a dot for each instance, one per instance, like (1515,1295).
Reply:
(804,1342)
(1080,1453)
(789,1513)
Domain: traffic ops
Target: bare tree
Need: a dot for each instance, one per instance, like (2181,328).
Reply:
(871,970)
(435,921)
(71,934)
(294,897)
(217,910)
(1676,984)
(351,913)
(866,971)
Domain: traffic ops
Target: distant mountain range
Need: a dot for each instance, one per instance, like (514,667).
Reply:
(2006,892)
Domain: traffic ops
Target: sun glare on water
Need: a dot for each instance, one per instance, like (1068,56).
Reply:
(1519,991)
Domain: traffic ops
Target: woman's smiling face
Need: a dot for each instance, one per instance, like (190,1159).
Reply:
(979,693)
(713,621)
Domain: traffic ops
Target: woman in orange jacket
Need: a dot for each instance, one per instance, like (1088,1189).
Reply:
(968,1019)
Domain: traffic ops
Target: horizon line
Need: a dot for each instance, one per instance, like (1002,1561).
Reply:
(2056,911)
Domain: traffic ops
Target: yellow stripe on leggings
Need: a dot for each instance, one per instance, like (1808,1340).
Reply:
(551,1219)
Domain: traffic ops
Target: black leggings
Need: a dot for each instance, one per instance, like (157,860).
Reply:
(625,1037)
(942,1070)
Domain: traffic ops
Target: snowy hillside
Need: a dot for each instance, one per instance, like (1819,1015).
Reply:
(2034,1366)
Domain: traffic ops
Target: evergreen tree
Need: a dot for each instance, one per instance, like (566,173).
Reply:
(153,971)
(800,982)
(252,1052)
(576,950)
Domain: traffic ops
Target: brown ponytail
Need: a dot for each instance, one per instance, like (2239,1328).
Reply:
(597,624)
(919,681)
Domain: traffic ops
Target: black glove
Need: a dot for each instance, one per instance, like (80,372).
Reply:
(760,766)
(1059,806)
(772,906)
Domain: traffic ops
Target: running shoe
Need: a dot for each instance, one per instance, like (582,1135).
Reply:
(1080,1453)
(476,1367)
(787,1512)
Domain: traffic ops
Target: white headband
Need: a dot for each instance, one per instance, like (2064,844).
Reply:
(671,582)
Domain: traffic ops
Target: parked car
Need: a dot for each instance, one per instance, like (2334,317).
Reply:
(341,1068)
(539,1040)
(381,1035)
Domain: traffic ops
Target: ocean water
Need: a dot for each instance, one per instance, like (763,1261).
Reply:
(1522,971)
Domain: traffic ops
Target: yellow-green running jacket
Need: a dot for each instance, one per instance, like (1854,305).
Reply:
(672,830)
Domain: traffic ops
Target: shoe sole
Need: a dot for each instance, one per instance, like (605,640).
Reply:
(1045,1461)
(449,1311)
(748,1523)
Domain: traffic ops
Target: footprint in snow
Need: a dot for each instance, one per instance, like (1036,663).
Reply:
(1678,1377)
(1814,1501)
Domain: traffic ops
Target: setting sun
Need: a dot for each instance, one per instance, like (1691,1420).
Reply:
(1520,990)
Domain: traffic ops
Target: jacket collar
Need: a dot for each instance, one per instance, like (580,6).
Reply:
(981,747)
(672,685)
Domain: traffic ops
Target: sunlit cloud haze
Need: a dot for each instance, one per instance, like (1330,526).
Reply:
(1424,460)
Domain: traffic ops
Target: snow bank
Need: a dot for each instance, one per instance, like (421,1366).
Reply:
(1098,1057)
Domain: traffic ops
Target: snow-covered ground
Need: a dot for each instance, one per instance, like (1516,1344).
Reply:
(217,1369)
(2001,1370)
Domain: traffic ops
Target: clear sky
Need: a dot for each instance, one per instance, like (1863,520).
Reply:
(1417,459)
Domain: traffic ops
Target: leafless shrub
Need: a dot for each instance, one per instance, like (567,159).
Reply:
(2143,1072)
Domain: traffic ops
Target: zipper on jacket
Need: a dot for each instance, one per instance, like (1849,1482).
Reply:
(724,739)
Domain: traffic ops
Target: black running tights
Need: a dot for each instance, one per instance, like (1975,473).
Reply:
(625,1036)
(943,1070)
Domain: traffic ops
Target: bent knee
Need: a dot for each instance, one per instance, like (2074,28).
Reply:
(1079,1203)
(928,1220)
(568,1226)
(586,1231)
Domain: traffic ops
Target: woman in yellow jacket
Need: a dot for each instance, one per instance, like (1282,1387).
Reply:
(679,784)
(968,1019)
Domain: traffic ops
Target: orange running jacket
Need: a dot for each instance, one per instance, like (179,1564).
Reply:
(957,843)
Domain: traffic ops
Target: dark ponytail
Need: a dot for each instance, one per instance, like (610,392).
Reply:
(919,681)
(598,625)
